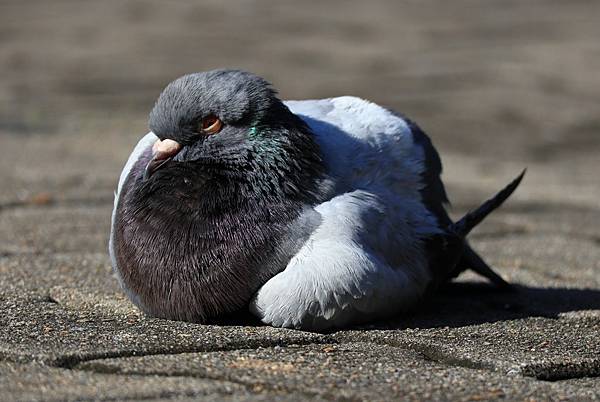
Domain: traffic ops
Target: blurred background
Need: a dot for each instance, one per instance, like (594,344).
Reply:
(498,85)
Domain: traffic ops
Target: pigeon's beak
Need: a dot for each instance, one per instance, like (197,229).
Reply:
(162,152)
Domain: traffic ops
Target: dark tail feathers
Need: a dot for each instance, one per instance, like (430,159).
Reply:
(470,259)
(474,218)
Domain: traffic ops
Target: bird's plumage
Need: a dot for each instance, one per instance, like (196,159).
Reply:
(366,259)
(315,214)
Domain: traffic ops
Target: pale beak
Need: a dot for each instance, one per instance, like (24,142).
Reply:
(162,152)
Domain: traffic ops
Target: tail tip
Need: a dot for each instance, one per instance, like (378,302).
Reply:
(473,218)
(516,181)
(519,178)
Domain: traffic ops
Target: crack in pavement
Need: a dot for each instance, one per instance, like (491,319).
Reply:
(94,363)
(551,371)
(254,382)
(559,371)
(588,368)
(70,361)
(253,387)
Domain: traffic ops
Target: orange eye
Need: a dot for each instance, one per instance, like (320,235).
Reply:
(211,124)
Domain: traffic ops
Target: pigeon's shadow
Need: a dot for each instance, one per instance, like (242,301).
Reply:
(460,304)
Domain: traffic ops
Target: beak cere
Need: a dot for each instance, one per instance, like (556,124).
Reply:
(162,152)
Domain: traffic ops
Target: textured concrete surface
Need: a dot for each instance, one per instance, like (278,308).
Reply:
(498,86)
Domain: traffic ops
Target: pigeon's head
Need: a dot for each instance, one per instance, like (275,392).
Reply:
(221,111)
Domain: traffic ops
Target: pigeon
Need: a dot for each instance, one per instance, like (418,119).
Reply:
(311,214)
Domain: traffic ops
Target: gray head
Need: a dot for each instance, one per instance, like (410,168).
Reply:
(238,98)
(200,114)
(222,198)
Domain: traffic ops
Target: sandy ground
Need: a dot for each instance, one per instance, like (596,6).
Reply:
(498,85)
